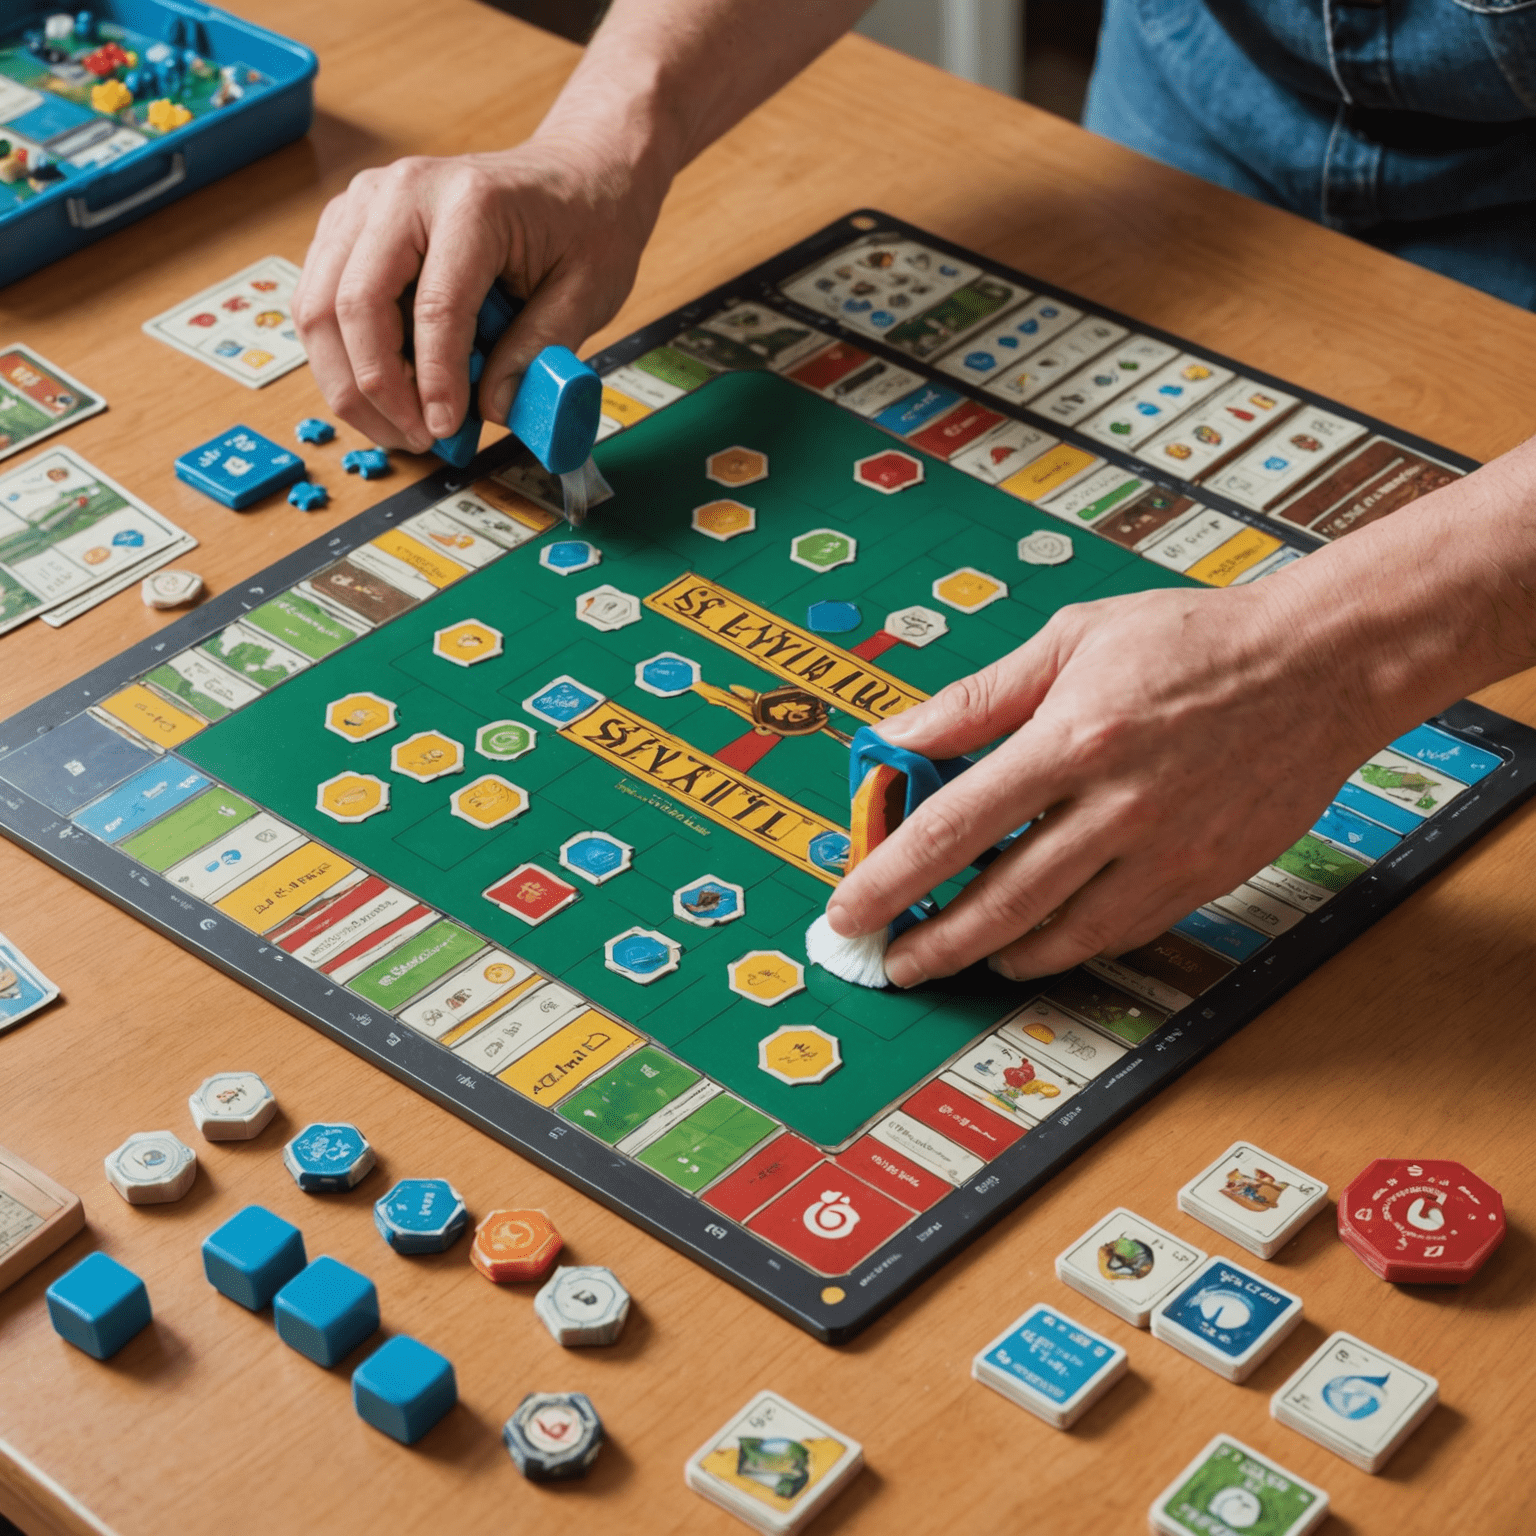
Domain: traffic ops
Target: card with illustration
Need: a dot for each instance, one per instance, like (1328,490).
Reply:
(1352,1393)
(23,988)
(1253,1188)
(243,326)
(38,399)
(1231,1487)
(1127,1264)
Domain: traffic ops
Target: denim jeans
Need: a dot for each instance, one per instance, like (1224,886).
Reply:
(1410,124)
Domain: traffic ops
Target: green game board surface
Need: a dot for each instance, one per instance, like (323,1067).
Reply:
(277,751)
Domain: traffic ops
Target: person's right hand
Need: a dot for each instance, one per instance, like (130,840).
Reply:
(564,228)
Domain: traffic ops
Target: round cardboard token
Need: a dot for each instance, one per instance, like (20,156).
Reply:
(1421,1222)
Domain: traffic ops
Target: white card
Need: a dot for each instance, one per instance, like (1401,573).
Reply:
(1127,1257)
(1351,1392)
(1083,392)
(1043,1030)
(1252,1189)
(243,326)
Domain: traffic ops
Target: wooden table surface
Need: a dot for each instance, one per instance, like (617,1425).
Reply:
(1414,1042)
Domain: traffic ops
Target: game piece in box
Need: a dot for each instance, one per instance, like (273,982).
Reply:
(773,1465)
(23,988)
(1227,1319)
(1231,1487)
(37,1217)
(1356,1401)
(151,1168)
(1424,1222)
(239,467)
(1127,1265)
(1045,1362)
(1253,1198)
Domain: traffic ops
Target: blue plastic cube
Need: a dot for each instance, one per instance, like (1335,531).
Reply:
(558,409)
(326,1311)
(252,1256)
(98,1305)
(239,466)
(404,1389)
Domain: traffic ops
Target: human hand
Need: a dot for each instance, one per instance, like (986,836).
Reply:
(1165,745)
(562,223)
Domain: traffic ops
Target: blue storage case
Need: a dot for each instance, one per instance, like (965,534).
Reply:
(101,179)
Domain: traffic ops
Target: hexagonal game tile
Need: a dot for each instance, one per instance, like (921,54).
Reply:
(916,625)
(767,976)
(667,675)
(829,851)
(515,1245)
(232,1106)
(328,1156)
(467,642)
(736,466)
(642,954)
(421,1216)
(502,740)
(352,797)
(607,608)
(1045,546)
(709,901)
(489,802)
(832,618)
(889,471)
(823,549)
(151,1168)
(969,590)
(360,716)
(799,1053)
(567,556)
(723,519)
(596,856)
(426,756)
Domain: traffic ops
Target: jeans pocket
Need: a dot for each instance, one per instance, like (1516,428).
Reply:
(1508,30)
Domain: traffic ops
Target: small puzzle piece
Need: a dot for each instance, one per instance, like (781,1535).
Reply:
(232,1106)
(239,467)
(583,1304)
(327,1157)
(403,1388)
(553,1436)
(514,1245)
(307,496)
(326,1311)
(151,1168)
(253,1256)
(370,463)
(313,430)
(98,1305)
(421,1216)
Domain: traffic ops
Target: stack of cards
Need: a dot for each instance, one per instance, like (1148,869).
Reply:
(1227,1319)
(1127,1265)
(1230,1487)
(773,1465)
(1052,1366)
(1356,1401)
(23,988)
(1253,1198)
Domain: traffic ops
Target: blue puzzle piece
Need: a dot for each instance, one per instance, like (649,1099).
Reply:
(370,463)
(421,1216)
(307,496)
(98,1305)
(404,1388)
(239,467)
(253,1256)
(326,1311)
(313,430)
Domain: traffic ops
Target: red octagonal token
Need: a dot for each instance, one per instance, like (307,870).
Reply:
(889,472)
(1422,1222)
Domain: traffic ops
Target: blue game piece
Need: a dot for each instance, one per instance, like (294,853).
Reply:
(1227,1318)
(562,701)
(829,851)
(1051,1365)
(831,618)
(326,1311)
(421,1216)
(325,1157)
(596,856)
(404,1388)
(370,463)
(307,496)
(567,556)
(253,1256)
(667,675)
(557,411)
(85,26)
(238,467)
(313,430)
(98,1305)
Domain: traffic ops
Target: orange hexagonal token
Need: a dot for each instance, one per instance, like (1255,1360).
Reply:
(736,466)
(514,1245)
(723,520)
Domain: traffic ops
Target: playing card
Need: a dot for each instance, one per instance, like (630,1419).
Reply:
(1119,369)
(1418,788)
(1014,1081)
(23,988)
(243,326)
(1215,430)
(1251,1192)
(1127,1264)
(1077,345)
(37,399)
(1290,455)
(1094,496)
(1164,397)
(1045,1031)
(874,284)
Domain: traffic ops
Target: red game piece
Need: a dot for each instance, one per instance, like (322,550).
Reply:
(888,472)
(1422,1222)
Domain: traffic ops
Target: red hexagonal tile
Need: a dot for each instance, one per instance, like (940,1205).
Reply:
(889,472)
(1421,1221)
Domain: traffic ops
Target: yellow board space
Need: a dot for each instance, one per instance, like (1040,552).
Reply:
(569,1057)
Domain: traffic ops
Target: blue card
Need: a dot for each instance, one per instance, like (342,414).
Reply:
(1229,1310)
(73,764)
(562,701)
(142,799)
(23,988)
(1438,749)
(1355,834)
(239,466)
(1051,1355)
(916,410)
(1227,937)
(1378,808)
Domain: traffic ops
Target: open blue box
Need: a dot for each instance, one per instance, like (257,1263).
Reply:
(109,171)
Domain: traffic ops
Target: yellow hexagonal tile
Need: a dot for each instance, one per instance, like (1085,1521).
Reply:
(467,642)
(723,519)
(799,1053)
(352,797)
(736,466)
(969,590)
(489,801)
(426,756)
(767,976)
(360,716)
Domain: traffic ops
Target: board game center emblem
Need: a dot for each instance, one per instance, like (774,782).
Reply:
(1126,1258)
(831,1216)
(1256,1191)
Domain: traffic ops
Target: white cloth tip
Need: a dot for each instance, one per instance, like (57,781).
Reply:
(860,961)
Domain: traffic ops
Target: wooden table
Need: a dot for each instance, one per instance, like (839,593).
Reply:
(1414,1042)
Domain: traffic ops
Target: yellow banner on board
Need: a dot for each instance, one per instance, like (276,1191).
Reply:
(761,815)
(281,889)
(832,674)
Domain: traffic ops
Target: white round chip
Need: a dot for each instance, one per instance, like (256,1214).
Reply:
(171,589)
(1045,547)
(151,1168)
(232,1106)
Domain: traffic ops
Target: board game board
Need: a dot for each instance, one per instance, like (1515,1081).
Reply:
(536,818)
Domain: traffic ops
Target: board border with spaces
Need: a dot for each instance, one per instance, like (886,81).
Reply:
(832,1308)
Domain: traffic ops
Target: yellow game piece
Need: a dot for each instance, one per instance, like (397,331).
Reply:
(352,797)
(426,756)
(736,466)
(467,642)
(360,716)
(969,590)
(165,114)
(723,519)
(488,802)
(767,976)
(111,96)
(799,1053)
